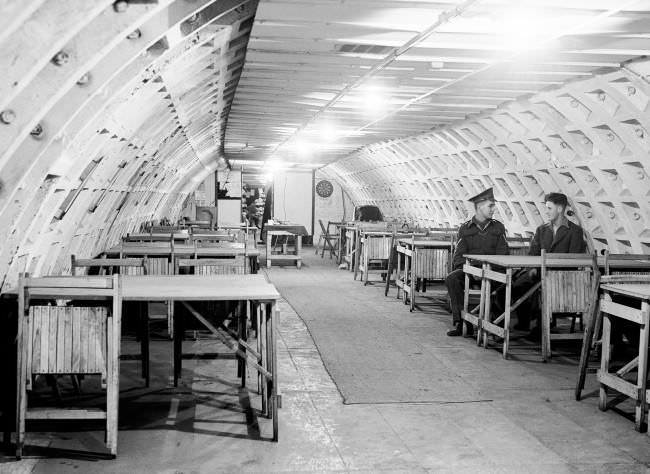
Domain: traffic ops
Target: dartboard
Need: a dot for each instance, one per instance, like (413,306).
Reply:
(324,188)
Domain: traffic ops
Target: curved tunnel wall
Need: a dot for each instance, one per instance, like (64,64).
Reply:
(588,139)
(111,113)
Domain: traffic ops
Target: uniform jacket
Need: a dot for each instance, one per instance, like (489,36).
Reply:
(491,240)
(568,239)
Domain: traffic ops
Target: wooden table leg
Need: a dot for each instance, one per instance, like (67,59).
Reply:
(268,250)
(398,273)
(267,360)
(487,307)
(299,251)
(178,347)
(261,316)
(274,371)
(641,412)
(605,354)
(413,278)
(466,305)
(113,378)
(355,267)
(407,276)
(143,313)
(545,319)
(21,376)
(241,318)
(258,340)
(389,271)
(506,321)
(366,270)
(358,248)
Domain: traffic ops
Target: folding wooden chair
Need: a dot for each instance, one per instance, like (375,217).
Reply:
(620,381)
(592,336)
(211,266)
(329,240)
(77,340)
(518,245)
(374,256)
(567,291)
(124,266)
(155,266)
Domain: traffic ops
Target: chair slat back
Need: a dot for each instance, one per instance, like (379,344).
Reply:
(127,266)
(215,266)
(67,340)
(624,256)
(626,278)
(377,247)
(567,290)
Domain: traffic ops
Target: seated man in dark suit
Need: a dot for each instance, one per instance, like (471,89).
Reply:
(480,235)
(558,235)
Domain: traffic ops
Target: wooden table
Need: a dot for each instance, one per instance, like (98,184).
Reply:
(242,227)
(161,259)
(285,253)
(504,275)
(615,380)
(187,288)
(295,229)
(252,288)
(420,258)
(213,236)
(158,237)
(167,254)
(226,249)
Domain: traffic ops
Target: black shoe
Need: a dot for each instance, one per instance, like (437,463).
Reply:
(458,331)
(470,330)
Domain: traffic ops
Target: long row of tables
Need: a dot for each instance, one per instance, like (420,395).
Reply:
(567,284)
(185,290)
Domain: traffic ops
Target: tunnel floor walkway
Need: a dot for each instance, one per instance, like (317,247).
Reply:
(367,387)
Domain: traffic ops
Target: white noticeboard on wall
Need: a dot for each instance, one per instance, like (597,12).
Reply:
(292,197)
(228,211)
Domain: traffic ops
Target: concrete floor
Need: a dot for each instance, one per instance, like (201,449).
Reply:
(210,425)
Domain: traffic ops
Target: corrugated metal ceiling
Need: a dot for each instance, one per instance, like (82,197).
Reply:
(323,78)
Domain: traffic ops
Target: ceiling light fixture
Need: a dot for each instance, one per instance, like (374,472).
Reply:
(374,100)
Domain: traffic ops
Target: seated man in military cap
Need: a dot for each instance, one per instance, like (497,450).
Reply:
(558,235)
(480,235)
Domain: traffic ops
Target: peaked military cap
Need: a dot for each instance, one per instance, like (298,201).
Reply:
(483,196)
